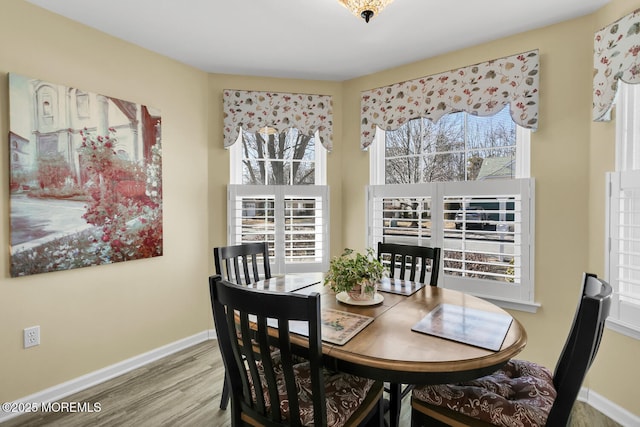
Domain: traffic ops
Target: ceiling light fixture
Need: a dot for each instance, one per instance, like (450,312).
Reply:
(366,9)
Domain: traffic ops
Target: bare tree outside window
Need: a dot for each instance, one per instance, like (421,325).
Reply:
(271,158)
(292,220)
(452,149)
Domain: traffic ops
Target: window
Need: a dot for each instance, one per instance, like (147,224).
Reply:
(82,104)
(623,216)
(277,194)
(46,97)
(460,184)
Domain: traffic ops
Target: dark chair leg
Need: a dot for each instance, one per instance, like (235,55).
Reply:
(380,414)
(224,399)
(395,401)
(375,419)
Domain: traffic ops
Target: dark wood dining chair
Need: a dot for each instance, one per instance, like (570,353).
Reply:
(240,264)
(523,393)
(273,388)
(417,260)
(411,258)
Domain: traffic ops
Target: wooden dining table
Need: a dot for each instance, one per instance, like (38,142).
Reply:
(387,348)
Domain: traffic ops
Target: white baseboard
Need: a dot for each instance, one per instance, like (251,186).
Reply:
(68,388)
(610,409)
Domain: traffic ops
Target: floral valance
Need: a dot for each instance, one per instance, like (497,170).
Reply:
(481,89)
(615,58)
(252,110)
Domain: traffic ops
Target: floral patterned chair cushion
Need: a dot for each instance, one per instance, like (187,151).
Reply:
(520,394)
(344,393)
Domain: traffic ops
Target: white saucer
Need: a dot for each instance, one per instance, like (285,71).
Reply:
(345,298)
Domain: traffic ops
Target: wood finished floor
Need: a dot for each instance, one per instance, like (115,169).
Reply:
(184,390)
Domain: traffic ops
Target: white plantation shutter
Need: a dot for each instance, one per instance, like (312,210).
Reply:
(623,263)
(305,220)
(293,219)
(622,259)
(491,258)
(400,214)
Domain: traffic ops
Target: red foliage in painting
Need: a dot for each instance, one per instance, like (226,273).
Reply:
(125,200)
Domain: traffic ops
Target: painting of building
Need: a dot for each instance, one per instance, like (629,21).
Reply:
(86,178)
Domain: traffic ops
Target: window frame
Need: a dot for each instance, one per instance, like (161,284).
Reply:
(280,193)
(625,316)
(520,299)
(377,155)
(235,159)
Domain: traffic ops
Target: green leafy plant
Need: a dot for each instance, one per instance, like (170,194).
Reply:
(352,268)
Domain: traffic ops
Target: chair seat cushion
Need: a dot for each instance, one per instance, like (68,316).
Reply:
(344,393)
(519,394)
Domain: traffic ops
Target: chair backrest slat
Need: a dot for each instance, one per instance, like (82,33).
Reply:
(405,257)
(258,355)
(581,346)
(239,263)
(251,359)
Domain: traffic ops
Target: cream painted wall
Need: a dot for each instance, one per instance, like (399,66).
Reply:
(94,317)
(566,161)
(139,306)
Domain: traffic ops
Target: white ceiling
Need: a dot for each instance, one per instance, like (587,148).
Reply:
(311,39)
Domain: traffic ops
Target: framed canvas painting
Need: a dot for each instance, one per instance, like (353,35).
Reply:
(86,178)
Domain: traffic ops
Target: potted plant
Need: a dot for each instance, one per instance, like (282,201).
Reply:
(355,273)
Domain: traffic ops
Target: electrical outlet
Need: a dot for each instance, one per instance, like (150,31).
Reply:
(31,336)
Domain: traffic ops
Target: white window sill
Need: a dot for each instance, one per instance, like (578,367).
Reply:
(529,307)
(623,328)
